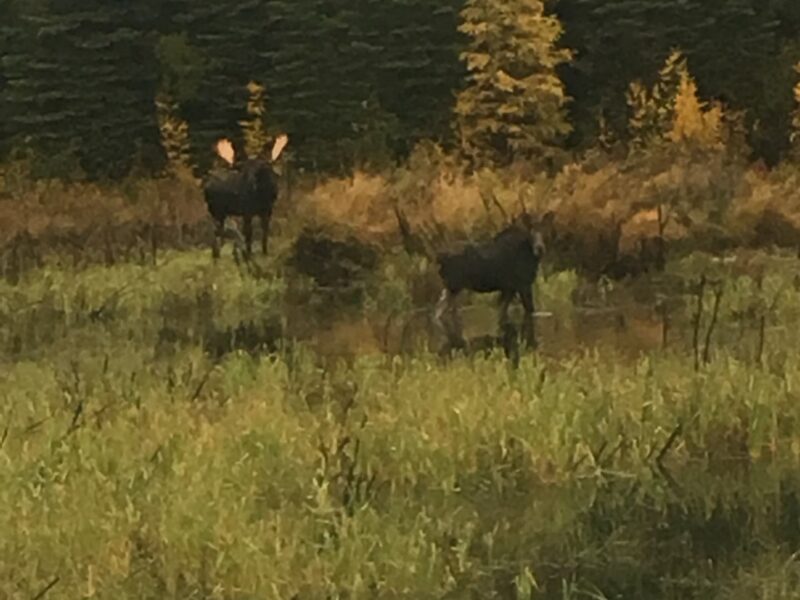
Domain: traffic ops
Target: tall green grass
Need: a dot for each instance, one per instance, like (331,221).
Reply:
(130,472)
(395,478)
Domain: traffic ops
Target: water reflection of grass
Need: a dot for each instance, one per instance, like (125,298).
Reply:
(131,471)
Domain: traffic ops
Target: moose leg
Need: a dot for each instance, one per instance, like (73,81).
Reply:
(455,319)
(508,335)
(248,237)
(265,218)
(447,304)
(219,232)
(526,296)
(505,302)
(441,307)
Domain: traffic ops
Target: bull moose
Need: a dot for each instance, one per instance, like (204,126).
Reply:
(508,264)
(248,189)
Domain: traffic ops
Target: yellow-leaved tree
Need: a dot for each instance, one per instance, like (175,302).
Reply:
(684,139)
(652,109)
(694,123)
(795,134)
(256,139)
(174,132)
(513,105)
(671,110)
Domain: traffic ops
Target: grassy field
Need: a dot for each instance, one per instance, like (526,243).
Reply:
(162,435)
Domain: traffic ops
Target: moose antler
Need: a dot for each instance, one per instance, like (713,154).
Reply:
(225,150)
(280,144)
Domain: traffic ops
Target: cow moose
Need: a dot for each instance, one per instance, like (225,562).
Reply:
(508,264)
(248,189)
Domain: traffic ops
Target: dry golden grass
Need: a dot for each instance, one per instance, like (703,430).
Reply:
(90,222)
(603,206)
(589,201)
(768,207)
(359,202)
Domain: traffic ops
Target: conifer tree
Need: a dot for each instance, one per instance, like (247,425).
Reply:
(652,110)
(82,81)
(224,42)
(10,34)
(253,127)
(672,111)
(417,69)
(514,102)
(794,137)
(307,56)
(174,135)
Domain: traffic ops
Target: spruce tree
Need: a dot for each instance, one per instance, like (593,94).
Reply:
(794,136)
(322,57)
(418,70)
(514,102)
(221,53)
(10,36)
(298,54)
(82,83)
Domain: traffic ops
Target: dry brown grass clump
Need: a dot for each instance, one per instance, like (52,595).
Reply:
(602,208)
(85,221)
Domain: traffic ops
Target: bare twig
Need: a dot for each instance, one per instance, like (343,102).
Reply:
(154,243)
(47,588)
(98,312)
(671,482)
(34,426)
(661,469)
(387,329)
(762,334)
(101,411)
(714,316)
(697,320)
(609,457)
(501,210)
(663,310)
(668,445)
(762,322)
(76,415)
(206,376)
(598,455)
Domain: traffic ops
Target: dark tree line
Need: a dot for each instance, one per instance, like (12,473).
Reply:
(353,81)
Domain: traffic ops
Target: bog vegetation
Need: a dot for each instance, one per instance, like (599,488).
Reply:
(287,427)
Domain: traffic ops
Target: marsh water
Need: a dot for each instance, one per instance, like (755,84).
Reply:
(330,327)
(629,331)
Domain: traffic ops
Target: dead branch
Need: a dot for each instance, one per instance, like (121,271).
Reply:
(714,316)
(47,588)
(697,320)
